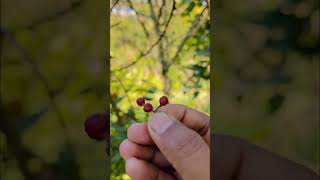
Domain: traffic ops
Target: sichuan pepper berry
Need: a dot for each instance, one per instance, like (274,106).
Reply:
(140,101)
(163,101)
(148,107)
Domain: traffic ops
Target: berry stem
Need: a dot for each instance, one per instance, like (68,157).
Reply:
(157,109)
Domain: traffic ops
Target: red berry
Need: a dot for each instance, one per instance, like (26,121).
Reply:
(97,126)
(163,101)
(140,101)
(147,107)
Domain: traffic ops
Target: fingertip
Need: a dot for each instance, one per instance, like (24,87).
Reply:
(139,169)
(124,149)
(138,133)
(130,149)
(192,118)
(134,129)
(132,166)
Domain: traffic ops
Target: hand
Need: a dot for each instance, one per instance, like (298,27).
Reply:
(174,144)
(179,149)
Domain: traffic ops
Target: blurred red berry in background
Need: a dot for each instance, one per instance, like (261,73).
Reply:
(97,126)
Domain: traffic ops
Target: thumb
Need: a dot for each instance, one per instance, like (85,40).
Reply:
(184,148)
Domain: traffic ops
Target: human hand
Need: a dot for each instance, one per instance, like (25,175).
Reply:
(174,144)
(179,149)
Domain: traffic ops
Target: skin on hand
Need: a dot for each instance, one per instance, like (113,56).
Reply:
(148,157)
(178,148)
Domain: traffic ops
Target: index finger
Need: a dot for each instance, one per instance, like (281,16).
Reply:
(193,119)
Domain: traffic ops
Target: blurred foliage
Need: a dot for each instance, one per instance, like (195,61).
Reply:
(52,77)
(266,75)
(157,48)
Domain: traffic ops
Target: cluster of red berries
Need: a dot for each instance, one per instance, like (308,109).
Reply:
(97,125)
(147,107)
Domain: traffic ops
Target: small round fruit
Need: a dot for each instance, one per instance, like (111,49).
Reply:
(97,126)
(147,107)
(140,101)
(163,101)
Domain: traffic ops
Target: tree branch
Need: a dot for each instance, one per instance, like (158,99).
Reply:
(161,53)
(124,88)
(54,16)
(115,24)
(139,19)
(154,17)
(10,126)
(161,8)
(191,32)
(153,45)
(36,71)
(114,5)
(117,111)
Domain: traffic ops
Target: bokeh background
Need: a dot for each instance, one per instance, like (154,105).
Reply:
(53,75)
(157,48)
(266,75)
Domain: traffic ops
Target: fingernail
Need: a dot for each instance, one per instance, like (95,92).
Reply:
(160,122)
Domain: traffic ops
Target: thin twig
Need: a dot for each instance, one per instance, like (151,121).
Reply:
(161,54)
(139,19)
(161,8)
(115,24)
(117,111)
(132,63)
(124,88)
(54,16)
(153,16)
(34,69)
(133,45)
(154,44)
(28,60)
(190,33)
(114,4)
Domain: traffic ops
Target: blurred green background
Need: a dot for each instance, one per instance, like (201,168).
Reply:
(266,75)
(157,48)
(53,75)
